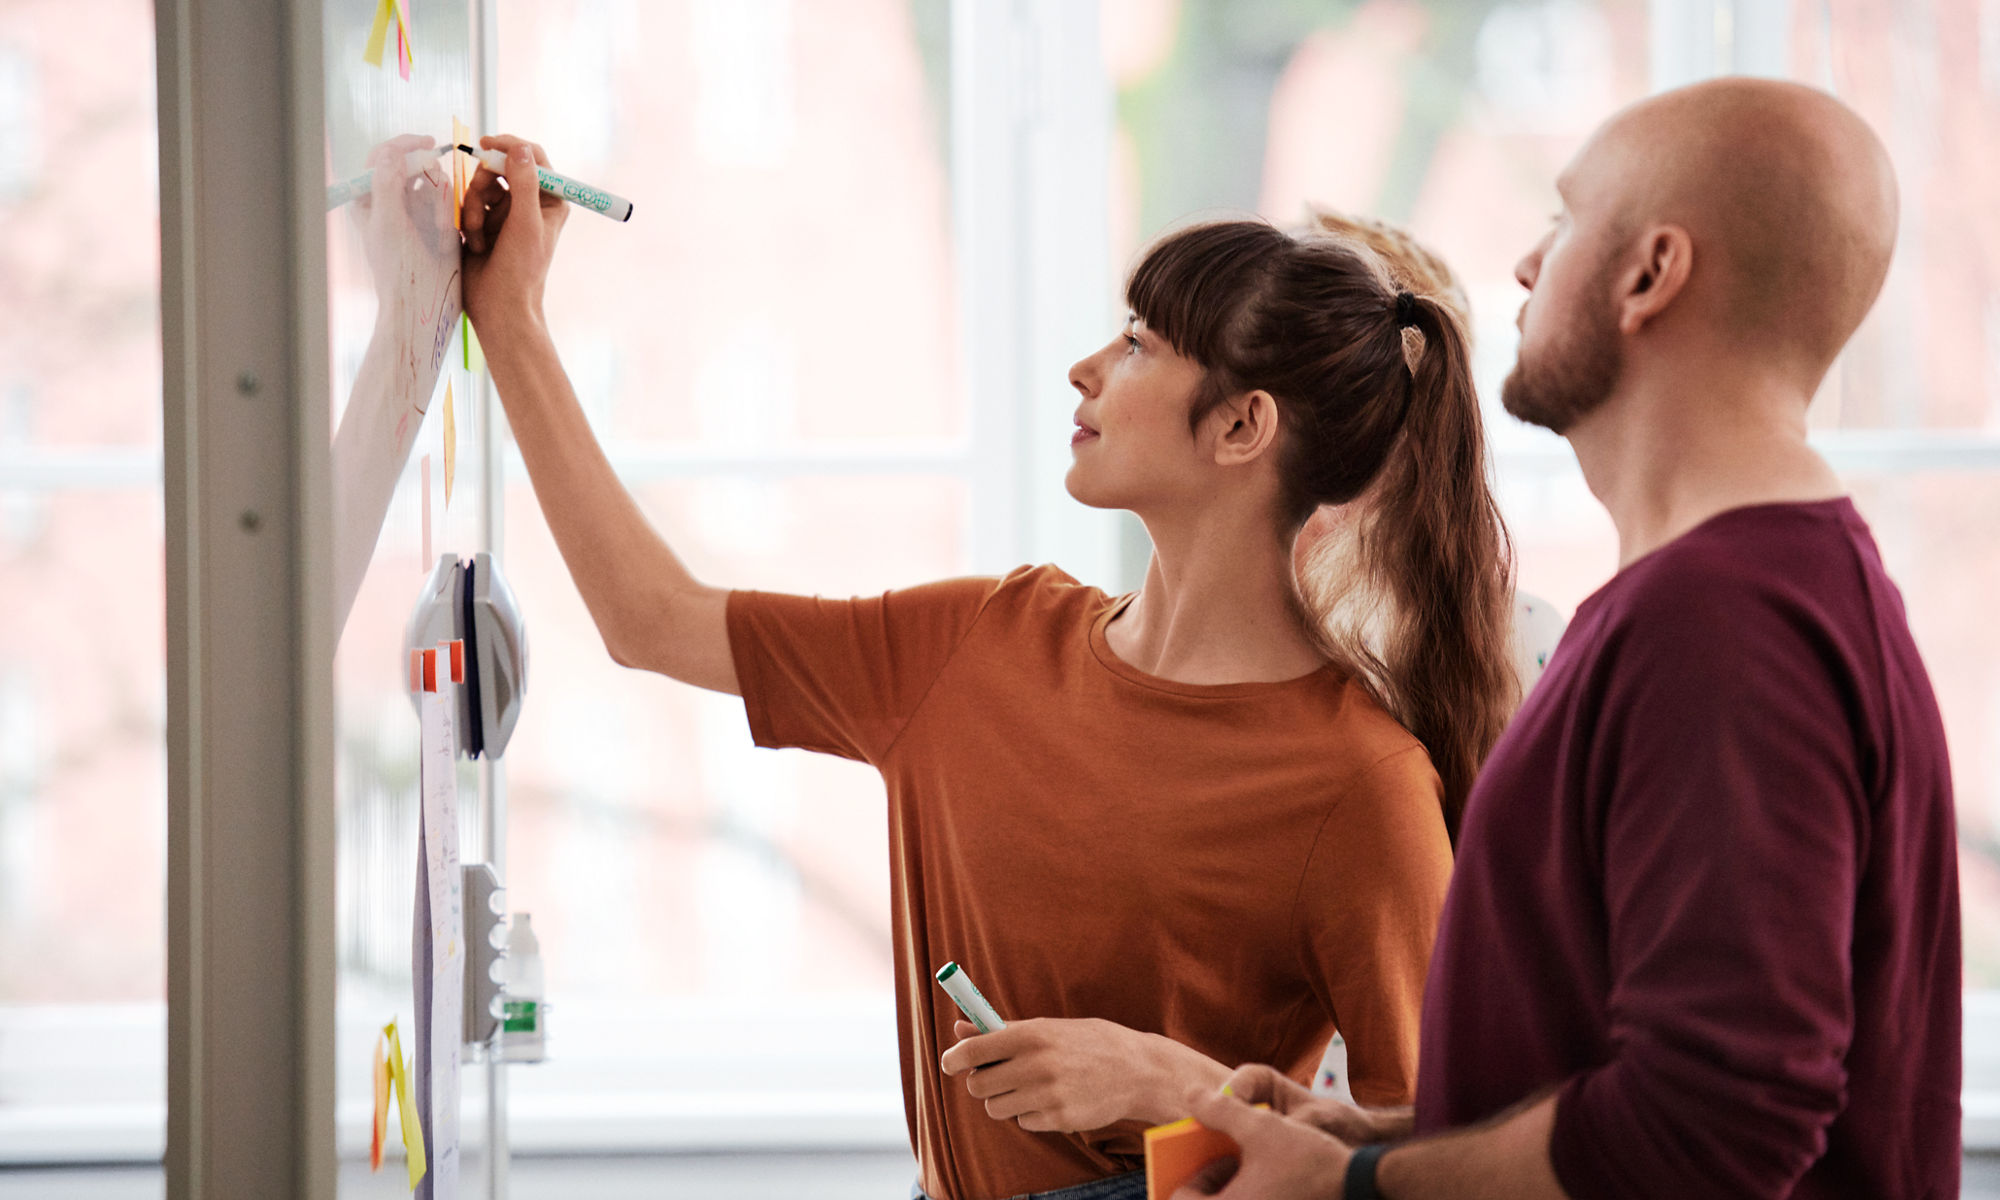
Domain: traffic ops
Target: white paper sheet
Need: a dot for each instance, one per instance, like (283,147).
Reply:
(440,943)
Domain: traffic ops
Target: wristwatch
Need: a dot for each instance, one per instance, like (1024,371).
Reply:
(1360,1181)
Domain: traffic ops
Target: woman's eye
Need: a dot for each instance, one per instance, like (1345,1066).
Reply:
(1131,341)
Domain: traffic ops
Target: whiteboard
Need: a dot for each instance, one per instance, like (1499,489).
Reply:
(398,364)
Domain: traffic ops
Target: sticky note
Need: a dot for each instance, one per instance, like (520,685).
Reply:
(384,13)
(457,648)
(475,358)
(430,670)
(424,481)
(403,57)
(381,1125)
(461,135)
(416,670)
(1176,1153)
(450,444)
(403,25)
(406,1107)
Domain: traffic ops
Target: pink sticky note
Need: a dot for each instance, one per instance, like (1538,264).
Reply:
(402,51)
(424,473)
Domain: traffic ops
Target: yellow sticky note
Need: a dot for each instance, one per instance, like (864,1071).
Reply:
(406,1107)
(450,443)
(379,35)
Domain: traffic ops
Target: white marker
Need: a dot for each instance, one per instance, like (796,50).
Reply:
(968,999)
(582,195)
(338,194)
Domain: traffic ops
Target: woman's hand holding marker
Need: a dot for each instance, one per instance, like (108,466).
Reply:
(1059,1076)
(507,262)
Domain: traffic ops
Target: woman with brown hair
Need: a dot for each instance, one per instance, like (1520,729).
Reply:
(1167,832)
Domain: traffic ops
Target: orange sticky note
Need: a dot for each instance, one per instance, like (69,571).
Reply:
(461,135)
(457,648)
(450,444)
(416,670)
(381,1126)
(1176,1152)
(430,670)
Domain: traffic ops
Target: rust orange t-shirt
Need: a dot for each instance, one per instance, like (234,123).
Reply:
(1242,867)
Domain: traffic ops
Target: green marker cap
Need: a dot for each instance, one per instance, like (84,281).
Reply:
(947,971)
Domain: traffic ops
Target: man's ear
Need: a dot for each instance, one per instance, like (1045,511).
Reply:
(1662,260)
(1244,427)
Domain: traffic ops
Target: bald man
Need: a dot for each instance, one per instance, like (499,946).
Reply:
(1702,939)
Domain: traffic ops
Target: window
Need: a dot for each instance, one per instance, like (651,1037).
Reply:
(82,657)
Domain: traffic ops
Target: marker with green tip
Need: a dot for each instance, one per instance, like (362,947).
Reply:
(955,984)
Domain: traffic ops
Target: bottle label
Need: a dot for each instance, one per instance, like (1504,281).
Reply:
(522,1017)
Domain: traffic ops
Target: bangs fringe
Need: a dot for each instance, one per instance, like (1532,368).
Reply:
(1192,284)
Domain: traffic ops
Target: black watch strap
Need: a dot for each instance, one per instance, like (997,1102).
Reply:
(1360,1182)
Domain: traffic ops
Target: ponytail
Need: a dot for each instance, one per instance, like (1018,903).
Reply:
(1433,540)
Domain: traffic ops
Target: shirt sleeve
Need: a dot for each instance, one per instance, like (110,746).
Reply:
(1731,839)
(844,676)
(1373,890)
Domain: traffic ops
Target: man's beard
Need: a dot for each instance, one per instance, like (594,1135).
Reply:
(1569,379)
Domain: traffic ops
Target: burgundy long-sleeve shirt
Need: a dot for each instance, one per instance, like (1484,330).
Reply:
(1707,885)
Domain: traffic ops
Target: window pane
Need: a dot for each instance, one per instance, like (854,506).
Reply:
(82,649)
(1936,535)
(787,273)
(1928,356)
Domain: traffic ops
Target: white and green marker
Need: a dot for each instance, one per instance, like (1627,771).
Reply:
(968,999)
(582,195)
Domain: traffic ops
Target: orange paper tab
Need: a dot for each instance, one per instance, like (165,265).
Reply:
(416,670)
(450,444)
(430,670)
(461,135)
(381,1125)
(457,650)
(1176,1153)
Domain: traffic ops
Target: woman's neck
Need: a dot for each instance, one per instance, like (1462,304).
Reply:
(1218,606)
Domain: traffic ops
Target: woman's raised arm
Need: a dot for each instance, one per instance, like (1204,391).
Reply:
(649,609)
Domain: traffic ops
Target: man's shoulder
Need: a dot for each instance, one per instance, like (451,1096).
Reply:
(1788,563)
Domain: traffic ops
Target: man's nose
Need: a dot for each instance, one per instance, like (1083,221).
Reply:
(1530,266)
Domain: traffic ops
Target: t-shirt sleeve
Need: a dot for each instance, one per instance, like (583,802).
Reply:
(844,676)
(1730,848)
(1374,887)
